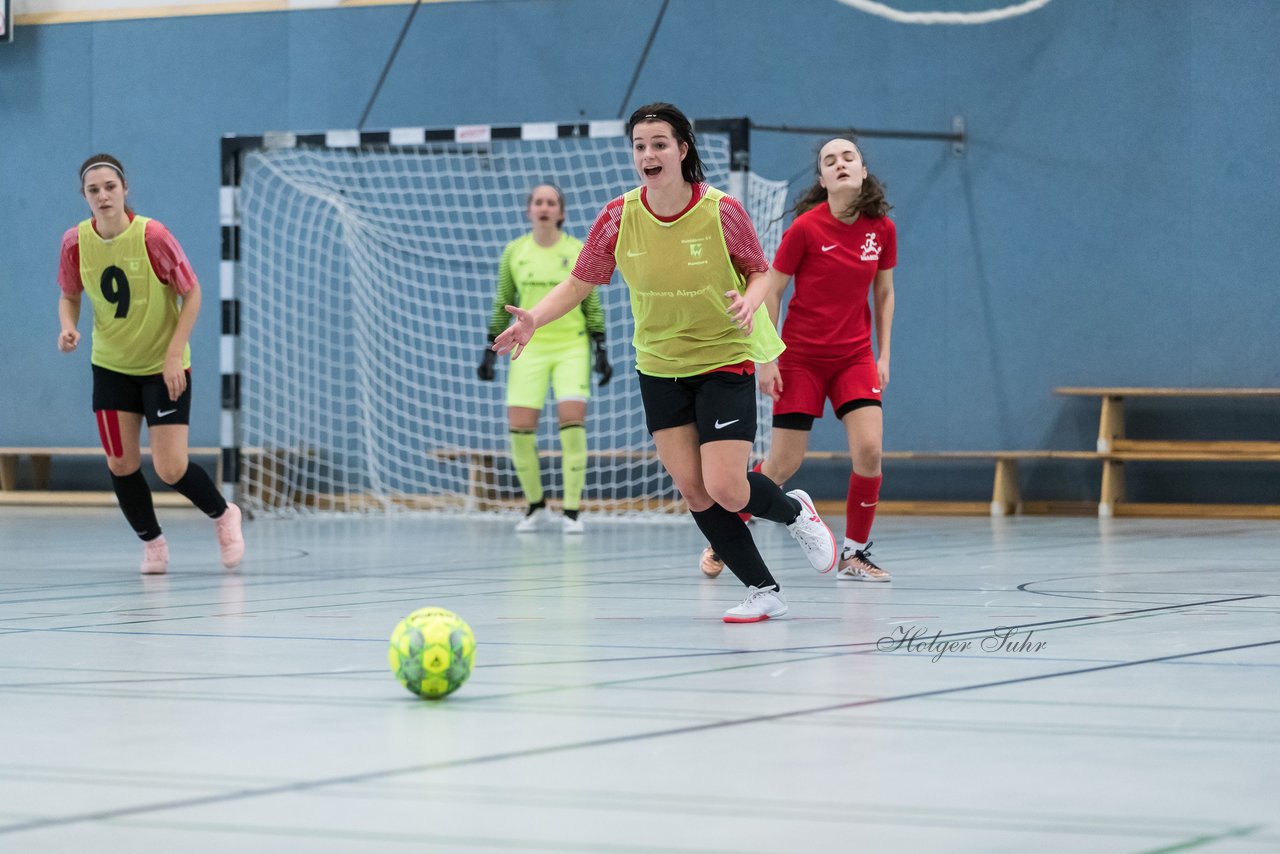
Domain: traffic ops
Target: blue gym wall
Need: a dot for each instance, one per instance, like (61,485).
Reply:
(1113,219)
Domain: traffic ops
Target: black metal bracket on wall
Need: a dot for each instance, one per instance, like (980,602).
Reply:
(957,135)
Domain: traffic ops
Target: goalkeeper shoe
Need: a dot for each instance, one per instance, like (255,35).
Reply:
(533,520)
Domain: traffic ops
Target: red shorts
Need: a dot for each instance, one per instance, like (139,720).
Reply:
(808,383)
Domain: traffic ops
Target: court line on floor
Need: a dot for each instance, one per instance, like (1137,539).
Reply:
(1200,841)
(351,779)
(871,644)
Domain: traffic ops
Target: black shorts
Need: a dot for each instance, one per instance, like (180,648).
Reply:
(147,395)
(721,403)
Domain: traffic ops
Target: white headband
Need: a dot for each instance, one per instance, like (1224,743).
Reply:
(101,163)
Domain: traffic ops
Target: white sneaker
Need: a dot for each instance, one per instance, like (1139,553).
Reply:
(812,534)
(762,603)
(533,521)
(572,526)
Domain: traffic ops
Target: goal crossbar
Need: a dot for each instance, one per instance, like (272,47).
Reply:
(357,275)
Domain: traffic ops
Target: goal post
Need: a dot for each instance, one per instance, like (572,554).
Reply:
(358,272)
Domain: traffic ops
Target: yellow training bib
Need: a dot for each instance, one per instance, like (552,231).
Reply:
(677,274)
(134,313)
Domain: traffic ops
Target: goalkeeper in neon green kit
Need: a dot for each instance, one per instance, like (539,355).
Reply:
(563,358)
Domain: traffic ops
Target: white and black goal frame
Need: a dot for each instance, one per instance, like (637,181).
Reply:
(235,146)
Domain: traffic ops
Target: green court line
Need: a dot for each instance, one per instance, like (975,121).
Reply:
(1201,841)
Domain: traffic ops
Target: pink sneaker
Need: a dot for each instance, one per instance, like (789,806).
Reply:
(155,556)
(710,563)
(230,540)
(858,566)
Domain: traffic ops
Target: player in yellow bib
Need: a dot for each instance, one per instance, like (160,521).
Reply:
(562,358)
(695,274)
(145,300)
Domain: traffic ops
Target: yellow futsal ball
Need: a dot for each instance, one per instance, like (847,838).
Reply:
(432,651)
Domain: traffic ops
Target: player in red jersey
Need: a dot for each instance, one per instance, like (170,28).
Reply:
(841,247)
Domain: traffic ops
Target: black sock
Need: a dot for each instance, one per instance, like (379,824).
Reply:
(199,489)
(731,540)
(535,506)
(571,514)
(768,501)
(135,501)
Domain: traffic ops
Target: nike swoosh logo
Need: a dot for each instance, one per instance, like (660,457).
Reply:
(875,390)
(720,426)
(162,414)
(872,504)
(829,248)
(631,254)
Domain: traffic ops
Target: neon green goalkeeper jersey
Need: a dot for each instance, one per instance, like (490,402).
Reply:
(526,273)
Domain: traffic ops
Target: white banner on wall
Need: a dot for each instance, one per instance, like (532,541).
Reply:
(28,12)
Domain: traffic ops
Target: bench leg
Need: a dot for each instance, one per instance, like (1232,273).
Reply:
(482,477)
(8,472)
(1006,493)
(40,470)
(1111,425)
(1112,487)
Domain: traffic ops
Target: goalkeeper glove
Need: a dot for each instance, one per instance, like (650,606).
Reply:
(485,369)
(602,366)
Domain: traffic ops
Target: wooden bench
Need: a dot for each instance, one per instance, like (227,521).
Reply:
(42,459)
(1006,492)
(1006,495)
(1116,448)
(1006,489)
(482,491)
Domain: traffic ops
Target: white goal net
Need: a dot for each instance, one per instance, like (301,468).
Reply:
(365,280)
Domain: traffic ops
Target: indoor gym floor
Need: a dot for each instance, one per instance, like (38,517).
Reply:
(1134,706)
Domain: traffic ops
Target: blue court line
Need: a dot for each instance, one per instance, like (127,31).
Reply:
(812,647)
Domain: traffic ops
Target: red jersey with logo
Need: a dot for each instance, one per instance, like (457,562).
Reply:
(834,265)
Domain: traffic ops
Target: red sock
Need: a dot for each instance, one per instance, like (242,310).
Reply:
(860,508)
(746,517)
